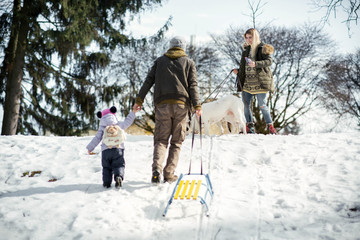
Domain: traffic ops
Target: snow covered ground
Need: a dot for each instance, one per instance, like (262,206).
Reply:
(266,187)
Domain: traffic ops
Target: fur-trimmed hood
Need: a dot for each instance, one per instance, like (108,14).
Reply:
(265,48)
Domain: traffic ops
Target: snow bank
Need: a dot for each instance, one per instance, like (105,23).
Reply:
(266,187)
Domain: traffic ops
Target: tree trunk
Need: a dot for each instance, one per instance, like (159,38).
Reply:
(15,60)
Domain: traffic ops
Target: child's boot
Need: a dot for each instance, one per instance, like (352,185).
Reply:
(118,182)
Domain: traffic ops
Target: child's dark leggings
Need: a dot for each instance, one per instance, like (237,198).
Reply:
(113,162)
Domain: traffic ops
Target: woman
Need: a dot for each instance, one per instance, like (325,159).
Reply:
(254,77)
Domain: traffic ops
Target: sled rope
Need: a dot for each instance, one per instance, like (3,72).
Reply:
(192,146)
(219,87)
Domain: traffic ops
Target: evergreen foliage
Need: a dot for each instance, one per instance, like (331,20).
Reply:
(67,44)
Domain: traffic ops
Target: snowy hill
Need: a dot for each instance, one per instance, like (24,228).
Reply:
(266,187)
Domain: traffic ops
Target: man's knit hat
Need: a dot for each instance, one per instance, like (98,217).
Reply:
(178,42)
(111,110)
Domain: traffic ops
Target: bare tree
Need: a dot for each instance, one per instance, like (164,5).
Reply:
(230,43)
(341,85)
(256,10)
(209,62)
(133,64)
(350,7)
(128,71)
(300,54)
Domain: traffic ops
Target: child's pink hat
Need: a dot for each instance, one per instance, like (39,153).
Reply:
(111,110)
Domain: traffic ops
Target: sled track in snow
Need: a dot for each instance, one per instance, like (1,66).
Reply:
(204,221)
(157,220)
(259,217)
(259,180)
(207,228)
(220,169)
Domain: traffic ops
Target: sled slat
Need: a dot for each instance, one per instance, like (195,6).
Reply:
(184,190)
(191,189)
(178,189)
(197,190)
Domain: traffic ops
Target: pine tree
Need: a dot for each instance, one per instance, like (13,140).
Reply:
(50,72)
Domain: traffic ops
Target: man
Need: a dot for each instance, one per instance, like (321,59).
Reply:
(175,90)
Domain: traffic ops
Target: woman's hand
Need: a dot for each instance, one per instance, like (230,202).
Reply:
(235,71)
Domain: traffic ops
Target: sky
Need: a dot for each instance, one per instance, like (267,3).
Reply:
(202,17)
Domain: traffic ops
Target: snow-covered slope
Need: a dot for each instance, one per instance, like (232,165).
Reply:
(266,187)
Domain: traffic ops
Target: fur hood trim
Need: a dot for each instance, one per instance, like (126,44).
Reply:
(267,49)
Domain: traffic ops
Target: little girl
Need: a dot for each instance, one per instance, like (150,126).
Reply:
(112,157)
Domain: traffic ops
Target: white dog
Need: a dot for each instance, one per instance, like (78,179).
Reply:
(229,109)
